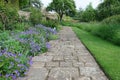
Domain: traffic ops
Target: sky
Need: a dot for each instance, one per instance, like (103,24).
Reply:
(79,3)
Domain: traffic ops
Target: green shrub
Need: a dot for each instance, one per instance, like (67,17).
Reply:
(110,32)
(112,20)
(36,16)
(12,54)
(8,16)
(21,26)
(12,65)
(105,31)
(1,25)
(50,23)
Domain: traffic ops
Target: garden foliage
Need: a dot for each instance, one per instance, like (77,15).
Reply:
(112,20)
(36,16)
(62,7)
(8,16)
(18,47)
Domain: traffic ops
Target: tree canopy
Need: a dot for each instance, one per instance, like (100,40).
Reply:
(29,3)
(62,7)
(108,8)
(89,13)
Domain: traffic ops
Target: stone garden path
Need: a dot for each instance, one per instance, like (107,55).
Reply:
(67,59)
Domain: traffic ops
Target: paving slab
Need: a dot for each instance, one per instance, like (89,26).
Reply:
(63,73)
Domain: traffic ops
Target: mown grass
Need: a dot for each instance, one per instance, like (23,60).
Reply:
(105,53)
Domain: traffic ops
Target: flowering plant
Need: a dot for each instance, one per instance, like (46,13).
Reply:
(17,49)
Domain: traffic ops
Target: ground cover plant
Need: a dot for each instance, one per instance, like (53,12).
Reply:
(18,47)
(105,53)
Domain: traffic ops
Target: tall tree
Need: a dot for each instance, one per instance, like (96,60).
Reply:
(108,8)
(62,7)
(87,15)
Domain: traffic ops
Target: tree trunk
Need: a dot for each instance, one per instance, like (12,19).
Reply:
(61,16)
(58,17)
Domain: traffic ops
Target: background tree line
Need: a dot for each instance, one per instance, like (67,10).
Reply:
(104,10)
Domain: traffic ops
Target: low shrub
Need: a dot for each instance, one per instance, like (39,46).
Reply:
(110,32)
(13,59)
(12,65)
(112,20)
(51,23)
(8,16)
(36,16)
(21,26)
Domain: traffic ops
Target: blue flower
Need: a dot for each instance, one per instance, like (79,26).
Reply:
(7,75)
(1,54)
(0,74)
(14,77)
(48,45)
(20,65)
(17,72)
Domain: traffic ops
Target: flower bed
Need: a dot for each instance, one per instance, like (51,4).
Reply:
(17,49)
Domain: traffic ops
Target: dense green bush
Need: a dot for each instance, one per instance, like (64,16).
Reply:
(24,3)
(108,8)
(112,20)
(21,26)
(50,23)
(8,16)
(110,32)
(36,16)
(87,15)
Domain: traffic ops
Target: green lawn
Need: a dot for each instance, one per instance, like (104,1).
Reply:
(106,54)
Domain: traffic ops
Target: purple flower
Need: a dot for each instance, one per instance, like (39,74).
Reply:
(30,62)
(17,72)
(30,57)
(47,28)
(0,74)
(20,54)
(17,60)
(34,47)
(10,54)
(14,77)
(1,54)
(7,75)
(3,51)
(47,45)
(20,65)
(25,73)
